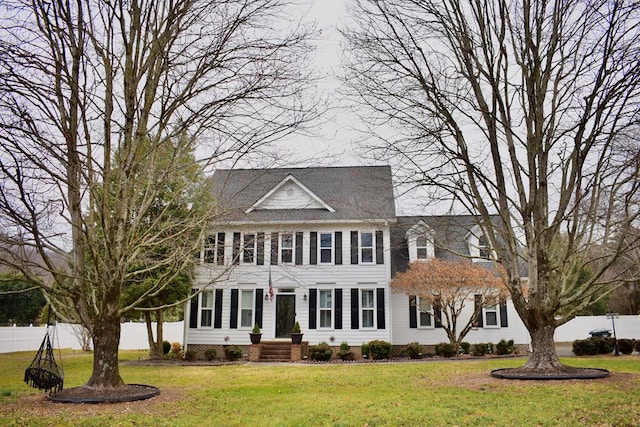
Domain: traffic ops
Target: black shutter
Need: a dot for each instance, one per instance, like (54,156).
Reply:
(354,247)
(478,310)
(217,315)
(437,314)
(233,318)
(413,311)
(193,310)
(220,250)
(258,315)
(355,317)
(260,249)
(338,255)
(274,248)
(313,248)
(298,260)
(380,308)
(313,308)
(338,305)
(379,247)
(236,248)
(503,313)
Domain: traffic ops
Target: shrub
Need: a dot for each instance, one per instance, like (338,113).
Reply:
(176,351)
(379,349)
(445,349)
(638,346)
(175,347)
(321,352)
(344,346)
(256,329)
(413,350)
(190,355)
(625,345)
(586,347)
(166,347)
(364,349)
(464,347)
(233,352)
(296,328)
(210,354)
(505,347)
(605,345)
(346,355)
(482,349)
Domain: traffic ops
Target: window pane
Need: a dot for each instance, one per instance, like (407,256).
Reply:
(425,318)
(205,317)
(421,241)
(325,299)
(422,253)
(245,321)
(287,248)
(325,240)
(207,299)
(366,240)
(367,299)
(367,318)
(249,247)
(367,255)
(247,299)
(325,318)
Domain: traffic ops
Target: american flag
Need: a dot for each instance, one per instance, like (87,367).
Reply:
(270,286)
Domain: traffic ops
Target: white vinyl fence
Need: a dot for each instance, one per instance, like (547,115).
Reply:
(579,327)
(133,336)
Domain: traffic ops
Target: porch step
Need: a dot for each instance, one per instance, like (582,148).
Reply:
(275,351)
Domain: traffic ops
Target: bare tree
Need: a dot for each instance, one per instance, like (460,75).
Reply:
(517,108)
(449,286)
(91,94)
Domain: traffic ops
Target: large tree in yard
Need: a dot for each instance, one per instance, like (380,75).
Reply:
(448,287)
(96,100)
(524,109)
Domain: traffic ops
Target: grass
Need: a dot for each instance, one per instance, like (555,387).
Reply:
(381,394)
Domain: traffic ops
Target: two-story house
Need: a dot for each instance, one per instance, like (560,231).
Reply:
(319,246)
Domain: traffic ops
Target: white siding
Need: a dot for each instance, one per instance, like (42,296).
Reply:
(403,334)
(299,278)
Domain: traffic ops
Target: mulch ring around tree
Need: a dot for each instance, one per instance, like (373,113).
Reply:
(126,393)
(565,373)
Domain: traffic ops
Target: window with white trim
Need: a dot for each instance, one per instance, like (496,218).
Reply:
(425,311)
(246,309)
(325,308)
(206,309)
(286,247)
(366,247)
(484,250)
(491,315)
(367,308)
(214,249)
(248,248)
(326,248)
(422,247)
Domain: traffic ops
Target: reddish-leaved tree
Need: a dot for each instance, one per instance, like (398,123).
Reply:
(449,286)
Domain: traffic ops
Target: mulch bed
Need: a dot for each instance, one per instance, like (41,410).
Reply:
(83,394)
(565,373)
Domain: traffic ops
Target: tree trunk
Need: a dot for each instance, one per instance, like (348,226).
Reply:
(106,339)
(155,345)
(543,356)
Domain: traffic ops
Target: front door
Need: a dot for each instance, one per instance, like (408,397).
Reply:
(285,314)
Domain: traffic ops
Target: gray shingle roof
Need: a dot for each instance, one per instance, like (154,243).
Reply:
(355,193)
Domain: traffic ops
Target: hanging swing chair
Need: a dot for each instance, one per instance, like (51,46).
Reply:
(44,373)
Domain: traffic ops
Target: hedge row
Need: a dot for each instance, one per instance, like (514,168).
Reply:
(601,345)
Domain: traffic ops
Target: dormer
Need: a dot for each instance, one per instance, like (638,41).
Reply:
(290,194)
(479,245)
(420,240)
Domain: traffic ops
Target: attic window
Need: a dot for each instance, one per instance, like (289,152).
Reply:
(290,191)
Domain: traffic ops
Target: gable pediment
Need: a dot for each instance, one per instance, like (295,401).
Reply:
(290,194)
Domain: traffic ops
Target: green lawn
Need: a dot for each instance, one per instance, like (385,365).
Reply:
(376,394)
